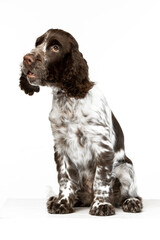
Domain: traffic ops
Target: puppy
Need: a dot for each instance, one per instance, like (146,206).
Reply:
(93,169)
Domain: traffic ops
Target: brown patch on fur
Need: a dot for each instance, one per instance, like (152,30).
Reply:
(81,138)
(127,160)
(106,159)
(74,80)
(73,172)
(119,144)
(124,160)
(85,194)
(116,192)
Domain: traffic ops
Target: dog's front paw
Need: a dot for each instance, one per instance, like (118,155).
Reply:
(102,209)
(133,205)
(58,206)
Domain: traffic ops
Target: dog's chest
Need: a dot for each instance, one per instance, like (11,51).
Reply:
(79,126)
(71,130)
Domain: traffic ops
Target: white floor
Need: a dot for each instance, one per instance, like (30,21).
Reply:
(28,219)
(36,208)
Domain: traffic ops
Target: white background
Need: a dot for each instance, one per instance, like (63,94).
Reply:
(121,43)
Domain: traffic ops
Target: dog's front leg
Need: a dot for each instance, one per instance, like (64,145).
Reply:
(68,185)
(101,205)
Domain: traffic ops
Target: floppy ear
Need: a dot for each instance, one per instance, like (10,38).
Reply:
(26,86)
(75,80)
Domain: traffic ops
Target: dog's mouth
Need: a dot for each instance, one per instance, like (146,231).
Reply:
(31,75)
(32,78)
(35,76)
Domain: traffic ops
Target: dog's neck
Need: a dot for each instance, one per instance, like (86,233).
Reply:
(60,98)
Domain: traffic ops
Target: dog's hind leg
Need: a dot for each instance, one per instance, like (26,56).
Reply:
(124,172)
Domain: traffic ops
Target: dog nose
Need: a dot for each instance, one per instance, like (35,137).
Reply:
(28,59)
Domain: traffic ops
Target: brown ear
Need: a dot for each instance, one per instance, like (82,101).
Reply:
(76,82)
(26,87)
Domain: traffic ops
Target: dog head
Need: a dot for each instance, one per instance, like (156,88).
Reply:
(56,61)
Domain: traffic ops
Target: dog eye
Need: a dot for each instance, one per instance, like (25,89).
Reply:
(55,48)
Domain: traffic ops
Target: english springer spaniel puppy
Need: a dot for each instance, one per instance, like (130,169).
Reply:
(93,169)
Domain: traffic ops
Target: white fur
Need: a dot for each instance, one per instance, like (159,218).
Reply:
(41,48)
(67,190)
(96,204)
(118,156)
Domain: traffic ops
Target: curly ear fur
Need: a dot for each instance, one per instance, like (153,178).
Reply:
(26,87)
(74,80)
